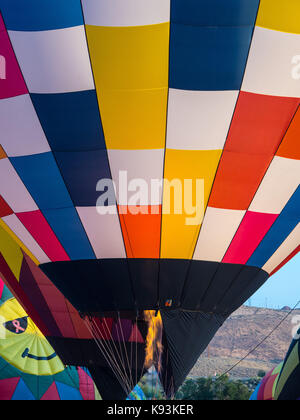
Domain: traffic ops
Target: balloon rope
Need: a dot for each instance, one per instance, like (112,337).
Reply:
(131,350)
(121,358)
(130,380)
(159,356)
(108,343)
(115,369)
(115,363)
(120,347)
(112,342)
(152,379)
(111,363)
(126,354)
(104,354)
(136,350)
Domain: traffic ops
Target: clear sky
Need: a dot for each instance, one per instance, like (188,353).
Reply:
(282,289)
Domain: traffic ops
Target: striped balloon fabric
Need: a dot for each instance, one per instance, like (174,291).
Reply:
(199,95)
(288,385)
(265,391)
(29,368)
(222,93)
(69,385)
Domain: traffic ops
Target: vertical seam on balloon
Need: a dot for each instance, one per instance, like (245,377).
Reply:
(29,94)
(263,178)
(275,154)
(121,230)
(12,278)
(125,233)
(289,256)
(243,268)
(38,285)
(71,320)
(164,162)
(229,129)
(219,163)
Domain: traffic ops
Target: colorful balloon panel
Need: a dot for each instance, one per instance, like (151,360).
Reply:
(137,394)
(288,384)
(70,385)
(149,37)
(29,363)
(29,367)
(265,391)
(22,345)
(161,90)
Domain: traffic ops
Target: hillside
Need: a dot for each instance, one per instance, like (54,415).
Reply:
(241,333)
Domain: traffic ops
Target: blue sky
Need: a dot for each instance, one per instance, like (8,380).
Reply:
(281,289)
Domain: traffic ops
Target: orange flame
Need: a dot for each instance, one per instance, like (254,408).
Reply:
(154,345)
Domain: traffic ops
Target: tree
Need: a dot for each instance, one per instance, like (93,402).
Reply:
(221,389)
(261,374)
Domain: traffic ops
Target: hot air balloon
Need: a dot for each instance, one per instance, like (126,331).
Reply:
(23,345)
(29,367)
(4,293)
(265,391)
(113,348)
(288,383)
(71,384)
(149,161)
(137,394)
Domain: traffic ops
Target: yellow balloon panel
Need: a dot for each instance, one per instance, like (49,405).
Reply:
(134,119)
(130,57)
(280,15)
(189,177)
(18,242)
(10,250)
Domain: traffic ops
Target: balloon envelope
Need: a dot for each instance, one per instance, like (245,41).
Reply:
(29,367)
(288,384)
(71,384)
(265,391)
(150,161)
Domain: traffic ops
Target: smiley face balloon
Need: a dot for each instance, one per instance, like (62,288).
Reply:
(22,344)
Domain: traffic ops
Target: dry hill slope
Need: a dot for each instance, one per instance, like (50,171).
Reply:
(241,333)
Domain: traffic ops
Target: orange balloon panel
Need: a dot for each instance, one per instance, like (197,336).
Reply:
(2,153)
(237,180)
(141,230)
